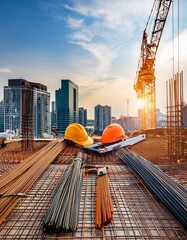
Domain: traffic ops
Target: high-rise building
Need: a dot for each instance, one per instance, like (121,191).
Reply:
(161,119)
(83,116)
(127,123)
(66,105)
(27,103)
(1,116)
(53,115)
(41,108)
(102,118)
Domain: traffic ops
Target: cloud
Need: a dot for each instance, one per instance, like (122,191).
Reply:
(81,9)
(106,79)
(103,53)
(81,36)
(74,23)
(108,93)
(112,14)
(5,70)
(171,50)
(103,28)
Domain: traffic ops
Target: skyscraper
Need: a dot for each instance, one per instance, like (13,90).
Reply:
(41,108)
(29,101)
(1,116)
(66,104)
(83,116)
(102,118)
(53,115)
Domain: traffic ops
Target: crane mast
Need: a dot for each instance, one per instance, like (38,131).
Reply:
(145,81)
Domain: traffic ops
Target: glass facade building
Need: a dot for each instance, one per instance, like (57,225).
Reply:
(53,114)
(1,116)
(83,116)
(102,118)
(66,105)
(41,107)
(13,109)
(15,95)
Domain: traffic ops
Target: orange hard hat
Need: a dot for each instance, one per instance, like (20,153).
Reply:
(113,133)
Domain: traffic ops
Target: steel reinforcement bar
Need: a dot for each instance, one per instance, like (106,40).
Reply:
(104,207)
(171,193)
(18,181)
(63,212)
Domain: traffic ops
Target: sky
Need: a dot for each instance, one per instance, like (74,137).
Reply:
(94,43)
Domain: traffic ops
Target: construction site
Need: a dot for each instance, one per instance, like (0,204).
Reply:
(115,186)
(138,213)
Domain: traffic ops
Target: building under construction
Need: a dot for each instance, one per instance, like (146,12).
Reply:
(138,213)
(27,109)
(61,190)
(175,118)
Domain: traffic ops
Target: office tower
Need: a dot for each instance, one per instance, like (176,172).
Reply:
(83,116)
(53,115)
(41,104)
(66,105)
(102,118)
(1,116)
(27,108)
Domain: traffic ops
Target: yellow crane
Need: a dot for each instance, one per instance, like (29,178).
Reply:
(145,78)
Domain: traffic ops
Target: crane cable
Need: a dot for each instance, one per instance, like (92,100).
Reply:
(147,30)
(178,13)
(175,58)
(151,16)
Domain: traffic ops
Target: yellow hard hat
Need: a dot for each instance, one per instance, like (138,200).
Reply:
(77,133)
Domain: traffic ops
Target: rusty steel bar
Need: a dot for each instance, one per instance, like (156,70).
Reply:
(9,177)
(175,117)
(138,214)
(25,177)
(104,207)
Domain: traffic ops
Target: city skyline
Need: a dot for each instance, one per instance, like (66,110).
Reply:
(96,44)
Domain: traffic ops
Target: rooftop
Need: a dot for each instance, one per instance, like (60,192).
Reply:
(138,213)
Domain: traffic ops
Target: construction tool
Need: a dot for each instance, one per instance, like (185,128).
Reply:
(103,148)
(14,195)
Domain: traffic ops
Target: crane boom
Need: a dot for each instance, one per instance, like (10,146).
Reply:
(145,82)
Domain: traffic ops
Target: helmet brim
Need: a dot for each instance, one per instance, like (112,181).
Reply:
(86,143)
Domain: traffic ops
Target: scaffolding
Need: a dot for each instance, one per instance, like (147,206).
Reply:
(175,117)
(27,119)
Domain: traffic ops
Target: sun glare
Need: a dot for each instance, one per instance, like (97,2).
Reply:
(139,103)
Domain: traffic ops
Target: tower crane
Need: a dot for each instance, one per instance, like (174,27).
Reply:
(145,78)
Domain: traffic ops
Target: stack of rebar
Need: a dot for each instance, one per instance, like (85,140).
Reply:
(104,206)
(171,193)
(17,182)
(12,152)
(63,212)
